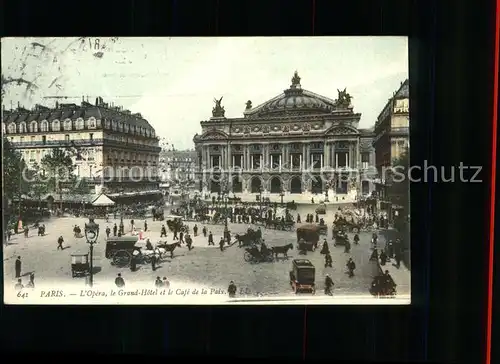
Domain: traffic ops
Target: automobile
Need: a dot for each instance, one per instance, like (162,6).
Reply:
(302,276)
(80,265)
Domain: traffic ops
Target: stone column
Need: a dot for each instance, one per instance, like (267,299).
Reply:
(303,165)
(308,155)
(325,154)
(333,158)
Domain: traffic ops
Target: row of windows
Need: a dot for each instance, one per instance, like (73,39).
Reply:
(79,124)
(34,127)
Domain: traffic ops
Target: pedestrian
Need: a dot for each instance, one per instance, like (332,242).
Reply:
(204,231)
(383,258)
(115,230)
(210,239)
(163,232)
(120,283)
(60,242)
(19,285)
(195,230)
(232,289)
(158,282)
(398,259)
(166,283)
(328,285)
(351,266)
(18,267)
(32,280)
(221,244)
(108,232)
(189,242)
(328,260)
(181,237)
(145,225)
(133,264)
(153,262)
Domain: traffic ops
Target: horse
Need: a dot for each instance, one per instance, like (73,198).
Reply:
(281,250)
(168,248)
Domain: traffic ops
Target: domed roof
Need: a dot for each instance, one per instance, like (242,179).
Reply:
(293,101)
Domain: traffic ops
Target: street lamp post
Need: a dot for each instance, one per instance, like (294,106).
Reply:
(281,195)
(326,192)
(224,196)
(260,201)
(91,235)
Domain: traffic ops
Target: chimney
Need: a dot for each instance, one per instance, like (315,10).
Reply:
(83,98)
(96,101)
(57,105)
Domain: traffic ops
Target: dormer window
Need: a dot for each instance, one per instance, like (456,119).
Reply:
(67,124)
(44,126)
(33,127)
(12,128)
(56,126)
(22,127)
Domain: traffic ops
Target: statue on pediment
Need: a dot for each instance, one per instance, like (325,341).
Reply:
(295,79)
(218,110)
(343,99)
(249,105)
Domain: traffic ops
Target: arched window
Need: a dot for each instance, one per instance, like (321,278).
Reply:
(56,126)
(22,127)
(12,128)
(67,124)
(92,123)
(33,127)
(80,124)
(44,126)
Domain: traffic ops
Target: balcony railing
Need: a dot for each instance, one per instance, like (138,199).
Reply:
(85,142)
(39,143)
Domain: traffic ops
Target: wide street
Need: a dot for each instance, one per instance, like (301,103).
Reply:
(203,265)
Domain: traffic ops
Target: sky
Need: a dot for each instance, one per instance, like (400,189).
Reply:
(172,82)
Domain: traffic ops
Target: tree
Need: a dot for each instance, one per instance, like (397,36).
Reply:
(57,167)
(15,184)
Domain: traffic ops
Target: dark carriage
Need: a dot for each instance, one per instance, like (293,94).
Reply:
(158,214)
(254,255)
(252,237)
(308,237)
(340,237)
(347,226)
(120,250)
(302,276)
(80,265)
(321,209)
(291,205)
(174,222)
(279,224)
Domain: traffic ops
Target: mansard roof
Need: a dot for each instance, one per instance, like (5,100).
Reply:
(86,110)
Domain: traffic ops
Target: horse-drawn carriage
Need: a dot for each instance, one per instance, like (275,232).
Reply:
(279,224)
(321,209)
(308,237)
(340,237)
(121,250)
(251,237)
(80,265)
(174,222)
(254,255)
(158,214)
(302,276)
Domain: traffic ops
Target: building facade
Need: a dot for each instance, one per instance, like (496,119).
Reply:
(392,139)
(178,165)
(113,149)
(297,143)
